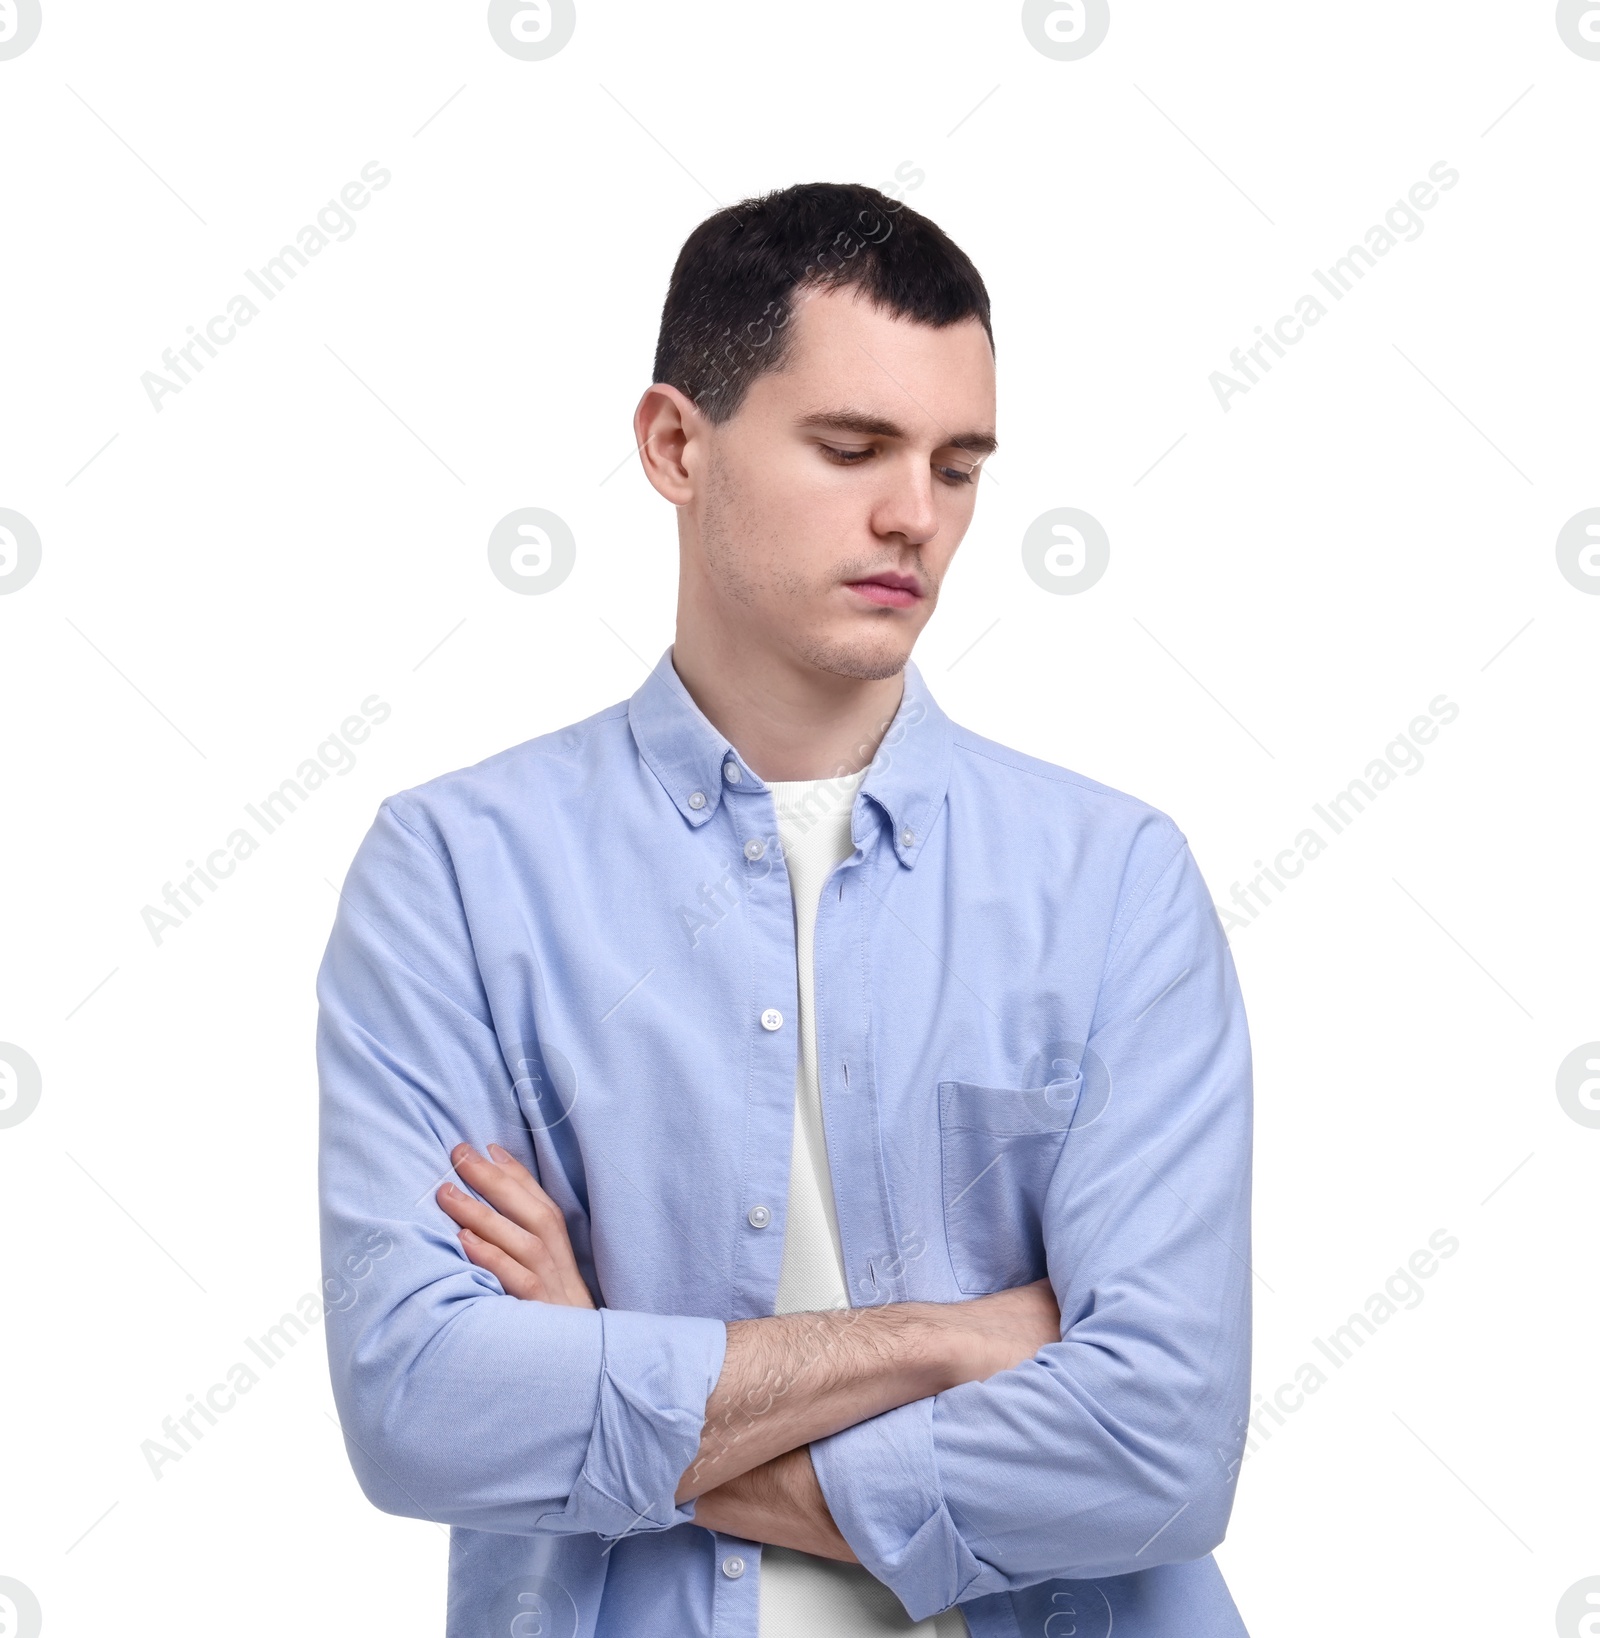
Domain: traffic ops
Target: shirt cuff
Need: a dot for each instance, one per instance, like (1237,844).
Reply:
(881,1482)
(656,1375)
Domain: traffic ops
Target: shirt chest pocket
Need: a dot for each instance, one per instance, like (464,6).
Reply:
(998,1150)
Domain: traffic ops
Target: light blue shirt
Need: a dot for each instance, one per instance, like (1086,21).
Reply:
(1033,1060)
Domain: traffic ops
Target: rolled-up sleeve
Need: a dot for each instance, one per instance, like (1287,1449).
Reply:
(1117,1448)
(459,1403)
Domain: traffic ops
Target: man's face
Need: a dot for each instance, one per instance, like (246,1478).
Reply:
(830,505)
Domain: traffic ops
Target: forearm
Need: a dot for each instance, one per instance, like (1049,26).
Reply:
(797,1377)
(779,1503)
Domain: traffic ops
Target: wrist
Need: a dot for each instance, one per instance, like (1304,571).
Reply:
(780,1503)
(950,1349)
(803,1493)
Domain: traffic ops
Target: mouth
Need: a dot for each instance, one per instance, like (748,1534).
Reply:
(888,591)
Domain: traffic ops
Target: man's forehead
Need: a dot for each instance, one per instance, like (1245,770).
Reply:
(855,367)
(845,311)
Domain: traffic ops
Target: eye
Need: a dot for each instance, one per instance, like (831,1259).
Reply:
(846,457)
(960,474)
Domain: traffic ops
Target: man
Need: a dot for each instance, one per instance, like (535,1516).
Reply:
(851,1115)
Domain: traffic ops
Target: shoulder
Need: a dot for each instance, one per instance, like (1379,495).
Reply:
(536,776)
(1047,787)
(1056,811)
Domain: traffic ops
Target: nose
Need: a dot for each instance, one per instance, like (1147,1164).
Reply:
(906,506)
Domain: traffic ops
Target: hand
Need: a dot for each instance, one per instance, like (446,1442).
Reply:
(520,1236)
(780,1503)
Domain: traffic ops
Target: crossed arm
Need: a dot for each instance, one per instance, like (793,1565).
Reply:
(969,1456)
(785,1381)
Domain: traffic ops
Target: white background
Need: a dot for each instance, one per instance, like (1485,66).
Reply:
(304,525)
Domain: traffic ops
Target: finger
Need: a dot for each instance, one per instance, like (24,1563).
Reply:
(525,1203)
(513,1249)
(488,1224)
(561,1250)
(550,1259)
(484,1221)
(508,1162)
(514,1191)
(514,1279)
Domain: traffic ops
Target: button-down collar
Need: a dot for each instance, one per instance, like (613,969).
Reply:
(907,779)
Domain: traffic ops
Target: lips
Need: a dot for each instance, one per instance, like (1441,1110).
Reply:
(890,591)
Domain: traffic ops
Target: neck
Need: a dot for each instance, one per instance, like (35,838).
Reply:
(788,720)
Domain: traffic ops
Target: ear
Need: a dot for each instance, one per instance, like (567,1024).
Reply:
(667,429)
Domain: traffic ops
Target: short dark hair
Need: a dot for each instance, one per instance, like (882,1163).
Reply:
(725,319)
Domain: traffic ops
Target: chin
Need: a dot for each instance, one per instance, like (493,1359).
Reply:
(867,658)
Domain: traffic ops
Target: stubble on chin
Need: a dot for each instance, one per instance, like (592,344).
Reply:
(867,659)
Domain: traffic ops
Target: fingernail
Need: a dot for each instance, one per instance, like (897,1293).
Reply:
(497,1153)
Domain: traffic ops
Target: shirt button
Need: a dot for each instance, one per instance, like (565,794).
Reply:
(759,1216)
(754,848)
(697,799)
(733,1566)
(772,1019)
(730,772)
(907,838)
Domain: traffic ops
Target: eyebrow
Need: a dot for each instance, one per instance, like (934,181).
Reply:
(878,426)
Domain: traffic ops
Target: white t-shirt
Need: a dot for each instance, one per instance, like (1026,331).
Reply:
(803,1596)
